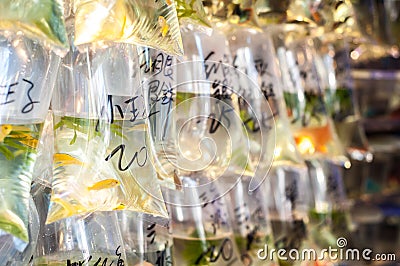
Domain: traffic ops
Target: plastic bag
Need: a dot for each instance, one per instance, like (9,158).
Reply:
(150,23)
(102,160)
(42,20)
(129,152)
(82,182)
(26,85)
(192,11)
(159,71)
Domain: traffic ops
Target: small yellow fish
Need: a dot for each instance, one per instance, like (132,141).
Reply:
(64,204)
(20,128)
(32,143)
(5,130)
(163,23)
(104,184)
(62,159)
(169,2)
(67,209)
(27,140)
(121,206)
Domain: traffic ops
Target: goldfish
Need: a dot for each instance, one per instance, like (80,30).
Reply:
(121,206)
(5,130)
(62,159)
(32,143)
(15,132)
(64,204)
(104,184)
(163,23)
(67,209)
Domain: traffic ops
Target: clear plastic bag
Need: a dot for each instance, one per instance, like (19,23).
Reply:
(129,151)
(42,20)
(160,74)
(82,182)
(26,86)
(102,160)
(150,23)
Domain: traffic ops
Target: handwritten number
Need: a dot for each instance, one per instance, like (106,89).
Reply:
(9,91)
(225,251)
(29,106)
(121,149)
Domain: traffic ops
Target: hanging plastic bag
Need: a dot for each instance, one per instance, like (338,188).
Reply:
(129,151)
(192,12)
(150,23)
(26,85)
(82,182)
(42,20)
(160,74)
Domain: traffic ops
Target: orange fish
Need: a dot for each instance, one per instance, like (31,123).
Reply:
(164,26)
(32,143)
(121,206)
(61,159)
(104,184)
(5,130)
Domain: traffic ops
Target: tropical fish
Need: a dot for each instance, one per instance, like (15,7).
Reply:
(121,206)
(68,209)
(62,159)
(20,128)
(104,184)
(5,130)
(164,26)
(15,132)
(169,2)
(32,143)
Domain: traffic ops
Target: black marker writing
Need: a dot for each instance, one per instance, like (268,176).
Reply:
(121,149)
(225,250)
(10,90)
(29,106)
(104,262)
